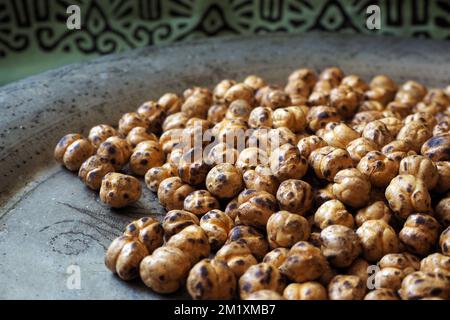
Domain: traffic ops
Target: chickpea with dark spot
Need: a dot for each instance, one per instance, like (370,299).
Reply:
(250,236)
(172,192)
(328,161)
(72,150)
(340,245)
(284,229)
(310,290)
(200,202)
(100,133)
(259,277)
(295,196)
(276,257)
(119,190)
(93,170)
(346,287)
(261,179)
(116,150)
(237,256)
(138,135)
(176,220)
(193,241)
(224,181)
(379,168)
(216,224)
(333,212)
(420,233)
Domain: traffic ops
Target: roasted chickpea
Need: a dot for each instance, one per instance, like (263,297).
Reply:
(379,168)
(295,196)
(416,133)
(100,133)
(239,91)
(293,118)
(221,89)
(394,267)
(249,158)
(340,245)
(165,270)
(261,179)
(359,267)
(310,143)
(211,279)
(352,187)
(176,220)
(345,100)
(217,112)
(443,211)
(198,90)
(284,229)
(255,240)
(328,161)
(138,135)
(193,241)
(156,175)
(310,290)
(358,148)
(287,163)
(276,257)
(192,168)
(346,287)
(338,135)
(175,121)
(116,150)
(72,150)
(200,201)
(436,263)
(153,115)
(324,194)
(224,181)
(319,116)
(119,190)
(377,239)
(379,95)
(321,93)
(254,82)
(93,170)
(444,242)
(377,132)
(422,168)
(423,117)
(398,149)
(442,127)
(196,105)
(255,208)
(222,153)
(305,74)
(378,210)
(260,117)
(237,256)
(407,194)
(382,294)
(129,121)
(298,91)
(419,285)
(216,225)
(304,263)
(364,117)
(332,212)
(146,155)
(443,184)
(259,277)
(239,109)
(170,103)
(172,192)
(172,139)
(333,74)
(148,231)
(437,148)
(420,233)
(275,98)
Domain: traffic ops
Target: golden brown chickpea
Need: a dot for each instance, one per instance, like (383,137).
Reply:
(276,257)
(146,155)
(358,148)
(304,263)
(443,184)
(171,139)
(378,210)
(377,239)
(192,168)
(416,133)
(338,135)
(422,117)
(379,96)
(193,241)
(176,220)
(406,194)
(416,89)
(442,127)
(420,233)
(393,124)
(211,279)
(328,161)
(436,263)
(444,242)
(355,82)
(295,196)
(340,245)
(284,229)
(333,74)
(443,211)
(359,267)
(72,150)
(259,277)
(119,190)
(116,150)
(239,109)
(221,89)
(138,135)
(224,181)
(156,175)
(153,115)
(100,133)
(254,239)
(310,290)
(382,294)
(293,118)
(129,121)
(437,148)
(200,202)
(307,75)
(196,105)
(275,98)
(346,287)
(308,144)
(175,121)
(124,255)
(298,91)
(265,295)
(352,187)
(260,117)
(148,231)
(165,270)
(249,158)
(174,156)
(422,168)
(170,103)
(345,100)
(321,93)
(364,117)
(216,225)
(402,109)
(319,116)
(394,267)
(239,91)
(261,179)
(222,153)
(398,149)
(287,163)
(255,208)
(172,192)
(237,256)
(377,132)
(324,194)
(198,90)
(333,212)
(93,170)
(419,285)
(216,113)
(254,82)
(382,81)
(379,168)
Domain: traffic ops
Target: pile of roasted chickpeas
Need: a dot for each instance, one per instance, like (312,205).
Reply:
(328,188)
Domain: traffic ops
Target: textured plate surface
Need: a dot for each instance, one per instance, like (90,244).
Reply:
(50,221)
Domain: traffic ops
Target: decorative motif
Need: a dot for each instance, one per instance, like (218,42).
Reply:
(38,28)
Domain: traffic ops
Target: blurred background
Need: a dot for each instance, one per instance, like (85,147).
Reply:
(34,36)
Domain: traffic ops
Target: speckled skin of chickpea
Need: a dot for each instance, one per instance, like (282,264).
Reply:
(377,132)
(443,184)
(119,190)
(309,144)
(284,229)
(72,150)
(211,280)
(416,133)
(407,194)
(170,103)
(293,118)
(265,295)
(237,256)
(382,294)
(337,135)
(398,149)
(254,82)
(345,100)
(100,133)
(221,89)
(124,255)
(255,208)
(298,91)
(193,168)
(303,263)
(444,242)
(328,161)
(153,115)
(146,155)
(222,153)
(275,98)
(224,181)
(352,187)
(419,285)
(253,238)
(172,192)
(276,257)
(239,91)
(319,116)
(196,105)
(261,179)
(377,210)
(421,167)
(116,150)
(176,220)
(359,267)
(93,170)
(216,224)
(148,231)
(239,109)
(437,148)
(259,277)
(193,241)
(154,176)
(304,74)
(216,112)
(377,239)
(346,287)
(295,196)
(287,163)
(420,233)
(200,202)
(394,267)
(340,245)
(249,158)
(310,290)
(138,135)
(333,212)
(436,263)
(165,270)
(129,121)
(379,168)
(359,147)
(260,117)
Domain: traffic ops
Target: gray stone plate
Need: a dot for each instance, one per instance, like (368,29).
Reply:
(49,221)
